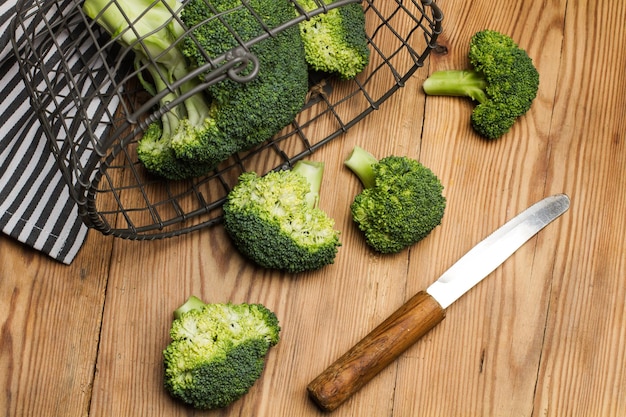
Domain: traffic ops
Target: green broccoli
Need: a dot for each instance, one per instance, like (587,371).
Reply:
(217,351)
(503,80)
(251,112)
(401,202)
(203,128)
(335,42)
(192,118)
(149,28)
(274,220)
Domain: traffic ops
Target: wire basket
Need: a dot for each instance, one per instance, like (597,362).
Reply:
(93,111)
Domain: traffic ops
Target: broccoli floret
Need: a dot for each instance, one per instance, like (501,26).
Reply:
(274,220)
(150,28)
(207,127)
(335,42)
(401,203)
(503,80)
(217,351)
(191,119)
(246,113)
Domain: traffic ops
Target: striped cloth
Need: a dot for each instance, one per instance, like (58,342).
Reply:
(35,204)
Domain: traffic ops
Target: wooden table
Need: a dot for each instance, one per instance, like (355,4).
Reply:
(544,335)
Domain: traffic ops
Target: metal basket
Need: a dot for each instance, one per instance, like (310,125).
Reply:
(84,89)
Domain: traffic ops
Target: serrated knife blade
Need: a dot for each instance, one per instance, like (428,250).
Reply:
(427,308)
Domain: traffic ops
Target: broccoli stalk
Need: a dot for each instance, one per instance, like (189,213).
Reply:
(188,119)
(313,171)
(274,220)
(145,26)
(217,351)
(503,81)
(362,163)
(192,303)
(152,30)
(401,203)
(458,83)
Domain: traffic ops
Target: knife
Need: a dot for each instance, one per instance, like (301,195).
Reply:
(427,308)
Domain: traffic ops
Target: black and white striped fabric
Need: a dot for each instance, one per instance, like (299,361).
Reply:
(35,204)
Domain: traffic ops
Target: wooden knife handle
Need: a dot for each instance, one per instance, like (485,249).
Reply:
(375,351)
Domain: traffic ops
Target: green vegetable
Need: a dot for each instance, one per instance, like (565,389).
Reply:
(274,220)
(335,42)
(206,128)
(246,113)
(191,119)
(217,351)
(503,80)
(401,202)
(149,29)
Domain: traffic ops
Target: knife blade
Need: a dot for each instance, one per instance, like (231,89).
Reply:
(427,308)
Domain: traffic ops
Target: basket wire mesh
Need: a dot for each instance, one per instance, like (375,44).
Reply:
(93,110)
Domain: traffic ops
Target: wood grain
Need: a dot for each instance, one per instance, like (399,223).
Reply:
(50,328)
(543,336)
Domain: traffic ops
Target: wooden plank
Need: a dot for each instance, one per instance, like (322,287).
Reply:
(584,357)
(51,315)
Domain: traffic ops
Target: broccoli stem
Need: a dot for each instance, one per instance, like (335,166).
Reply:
(361,162)
(313,171)
(194,108)
(170,119)
(153,38)
(197,106)
(192,303)
(151,21)
(458,83)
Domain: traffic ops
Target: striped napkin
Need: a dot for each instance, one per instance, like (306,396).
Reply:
(35,204)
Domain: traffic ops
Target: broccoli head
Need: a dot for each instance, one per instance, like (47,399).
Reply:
(274,220)
(335,42)
(401,203)
(191,118)
(151,29)
(503,81)
(200,128)
(245,113)
(155,153)
(217,351)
